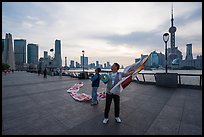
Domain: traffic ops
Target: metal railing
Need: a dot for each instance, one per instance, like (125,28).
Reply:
(150,78)
(145,76)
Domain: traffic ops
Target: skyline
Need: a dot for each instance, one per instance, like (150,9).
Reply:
(114,31)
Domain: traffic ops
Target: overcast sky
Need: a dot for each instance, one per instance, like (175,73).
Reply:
(114,32)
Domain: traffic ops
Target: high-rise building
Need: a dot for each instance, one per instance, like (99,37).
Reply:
(86,65)
(97,63)
(45,54)
(8,54)
(32,53)
(58,59)
(105,65)
(20,52)
(108,65)
(173,52)
(65,61)
(77,65)
(189,55)
(3,45)
(71,63)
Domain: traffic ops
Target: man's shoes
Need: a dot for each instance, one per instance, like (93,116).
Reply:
(105,121)
(118,120)
(96,103)
(93,104)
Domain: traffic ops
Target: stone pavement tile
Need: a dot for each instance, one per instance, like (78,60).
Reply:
(46,125)
(188,129)
(163,125)
(12,92)
(46,108)
(152,107)
(159,99)
(11,112)
(132,103)
(192,117)
(94,126)
(15,99)
(140,120)
(171,112)
(177,101)
(24,120)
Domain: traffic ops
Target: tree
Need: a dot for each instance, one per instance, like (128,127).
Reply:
(5,66)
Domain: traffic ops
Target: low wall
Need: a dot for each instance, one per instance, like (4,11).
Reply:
(167,79)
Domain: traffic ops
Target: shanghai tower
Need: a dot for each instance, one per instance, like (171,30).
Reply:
(58,59)
(8,55)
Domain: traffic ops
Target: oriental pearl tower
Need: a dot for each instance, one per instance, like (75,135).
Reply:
(173,52)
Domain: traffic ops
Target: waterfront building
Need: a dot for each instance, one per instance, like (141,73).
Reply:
(45,54)
(8,53)
(3,45)
(71,63)
(189,55)
(65,62)
(58,59)
(85,62)
(97,63)
(108,65)
(20,53)
(77,65)
(32,53)
(105,65)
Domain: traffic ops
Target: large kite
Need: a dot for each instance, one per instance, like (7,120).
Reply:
(136,67)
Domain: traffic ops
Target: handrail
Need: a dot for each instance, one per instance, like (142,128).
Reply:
(144,81)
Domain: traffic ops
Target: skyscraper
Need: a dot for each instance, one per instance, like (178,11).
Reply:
(58,59)
(45,54)
(8,54)
(20,52)
(32,51)
(85,62)
(97,63)
(172,31)
(65,62)
(3,45)
(173,52)
(189,55)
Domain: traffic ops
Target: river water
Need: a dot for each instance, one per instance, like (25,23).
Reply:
(189,80)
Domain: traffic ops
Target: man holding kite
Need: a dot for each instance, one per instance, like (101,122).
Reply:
(116,83)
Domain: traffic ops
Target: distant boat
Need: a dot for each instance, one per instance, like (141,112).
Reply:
(161,68)
(153,68)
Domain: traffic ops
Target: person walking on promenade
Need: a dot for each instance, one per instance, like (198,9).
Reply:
(45,73)
(39,70)
(95,84)
(114,78)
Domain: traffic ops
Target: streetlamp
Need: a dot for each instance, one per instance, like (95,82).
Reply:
(166,38)
(51,50)
(83,60)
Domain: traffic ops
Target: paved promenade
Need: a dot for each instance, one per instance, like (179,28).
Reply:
(32,105)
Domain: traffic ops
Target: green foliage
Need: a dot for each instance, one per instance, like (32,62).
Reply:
(5,66)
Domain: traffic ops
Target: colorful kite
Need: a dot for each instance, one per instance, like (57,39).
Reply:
(136,67)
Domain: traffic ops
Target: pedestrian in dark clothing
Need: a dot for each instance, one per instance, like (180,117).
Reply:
(39,72)
(45,73)
(95,84)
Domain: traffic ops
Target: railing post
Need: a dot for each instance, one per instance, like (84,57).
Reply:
(200,79)
(143,77)
(179,79)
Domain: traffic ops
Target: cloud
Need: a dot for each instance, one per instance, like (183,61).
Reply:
(105,29)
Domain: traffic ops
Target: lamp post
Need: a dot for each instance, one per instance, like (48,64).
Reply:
(51,50)
(166,38)
(83,60)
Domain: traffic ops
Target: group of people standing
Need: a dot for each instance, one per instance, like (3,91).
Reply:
(114,78)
